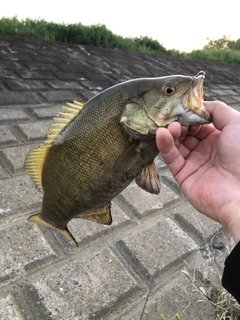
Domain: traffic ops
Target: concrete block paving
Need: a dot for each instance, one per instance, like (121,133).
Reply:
(132,269)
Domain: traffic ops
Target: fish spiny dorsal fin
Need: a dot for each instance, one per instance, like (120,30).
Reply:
(36,158)
(69,113)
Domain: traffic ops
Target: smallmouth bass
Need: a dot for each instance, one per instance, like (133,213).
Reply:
(95,150)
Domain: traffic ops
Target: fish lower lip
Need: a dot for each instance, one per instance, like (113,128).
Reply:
(193,99)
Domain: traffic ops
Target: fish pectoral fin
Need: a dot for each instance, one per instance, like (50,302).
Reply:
(102,215)
(37,218)
(126,158)
(148,179)
(134,118)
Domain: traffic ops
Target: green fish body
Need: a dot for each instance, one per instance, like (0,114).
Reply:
(95,151)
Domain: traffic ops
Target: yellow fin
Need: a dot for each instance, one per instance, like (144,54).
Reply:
(34,163)
(36,158)
(63,120)
(76,105)
(102,215)
(36,218)
(148,179)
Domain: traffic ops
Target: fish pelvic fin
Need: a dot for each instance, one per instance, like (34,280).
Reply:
(36,158)
(37,218)
(148,179)
(102,215)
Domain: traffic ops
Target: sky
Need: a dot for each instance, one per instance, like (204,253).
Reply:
(177,24)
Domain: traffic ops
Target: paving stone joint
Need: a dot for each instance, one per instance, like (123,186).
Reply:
(132,269)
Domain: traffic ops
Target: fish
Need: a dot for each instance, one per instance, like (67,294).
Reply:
(94,150)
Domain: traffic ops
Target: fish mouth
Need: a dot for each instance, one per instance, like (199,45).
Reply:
(197,85)
(193,98)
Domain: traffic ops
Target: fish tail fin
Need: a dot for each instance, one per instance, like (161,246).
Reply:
(36,158)
(37,218)
(34,163)
(68,235)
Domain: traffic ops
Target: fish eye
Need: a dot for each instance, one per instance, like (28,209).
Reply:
(168,90)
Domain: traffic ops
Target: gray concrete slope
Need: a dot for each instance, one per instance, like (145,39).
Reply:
(158,255)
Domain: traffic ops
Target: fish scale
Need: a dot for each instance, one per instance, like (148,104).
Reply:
(96,150)
(85,177)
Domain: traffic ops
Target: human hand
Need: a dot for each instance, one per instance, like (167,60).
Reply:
(205,161)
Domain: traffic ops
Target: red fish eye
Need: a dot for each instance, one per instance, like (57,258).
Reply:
(167,90)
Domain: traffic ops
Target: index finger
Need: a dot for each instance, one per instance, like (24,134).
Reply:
(170,153)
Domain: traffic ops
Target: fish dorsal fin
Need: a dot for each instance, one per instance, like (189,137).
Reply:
(36,158)
(69,113)
(34,163)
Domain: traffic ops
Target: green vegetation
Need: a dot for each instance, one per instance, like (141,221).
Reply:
(222,50)
(220,55)
(225,305)
(94,35)
(177,317)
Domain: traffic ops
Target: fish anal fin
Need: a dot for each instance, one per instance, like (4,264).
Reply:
(37,218)
(102,215)
(148,179)
(126,158)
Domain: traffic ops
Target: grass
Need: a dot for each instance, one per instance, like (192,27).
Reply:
(221,50)
(99,36)
(226,307)
(177,317)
